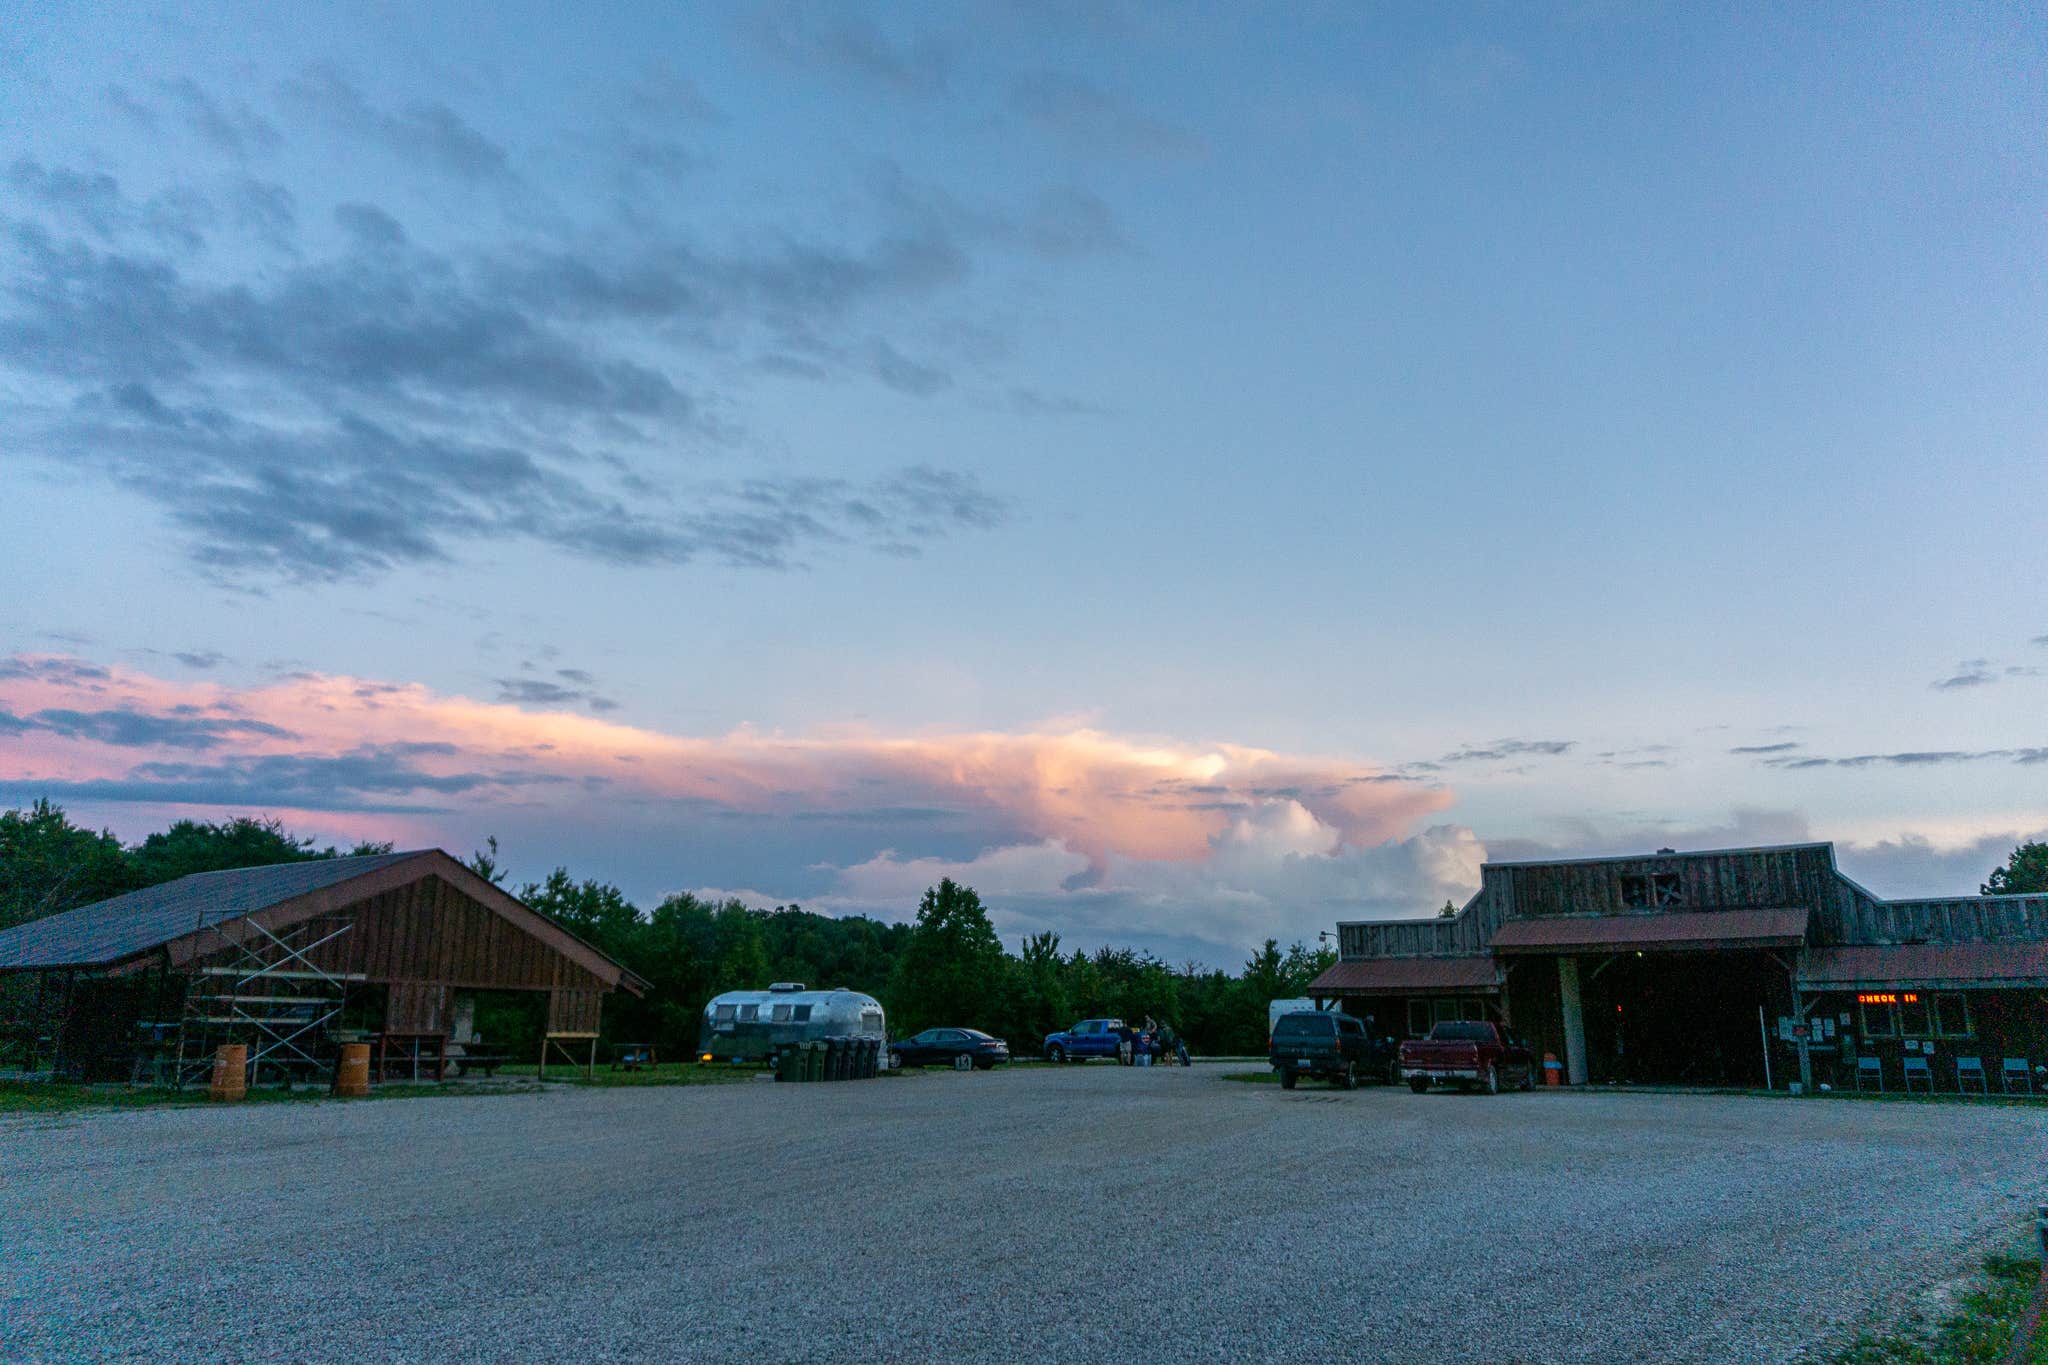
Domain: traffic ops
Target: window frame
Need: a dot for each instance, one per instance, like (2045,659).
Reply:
(1940,1014)
(1885,1009)
(1415,1005)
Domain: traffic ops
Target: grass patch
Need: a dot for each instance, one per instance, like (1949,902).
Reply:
(70,1097)
(667,1073)
(1980,1329)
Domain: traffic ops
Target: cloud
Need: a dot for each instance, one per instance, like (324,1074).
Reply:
(424,133)
(1101,796)
(851,47)
(200,659)
(1969,673)
(1511,748)
(230,127)
(1920,758)
(1087,117)
(540,692)
(1783,747)
(130,729)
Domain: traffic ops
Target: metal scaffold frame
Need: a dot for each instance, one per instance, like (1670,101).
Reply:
(267,991)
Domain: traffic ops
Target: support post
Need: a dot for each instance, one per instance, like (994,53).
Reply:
(1574,1020)
(1801,1042)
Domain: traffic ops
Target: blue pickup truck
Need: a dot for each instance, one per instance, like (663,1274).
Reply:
(1089,1038)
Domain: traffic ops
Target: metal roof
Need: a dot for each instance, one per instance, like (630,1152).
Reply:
(1404,975)
(1658,931)
(108,931)
(1653,857)
(2005,964)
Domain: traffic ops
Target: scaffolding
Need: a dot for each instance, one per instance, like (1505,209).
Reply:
(268,992)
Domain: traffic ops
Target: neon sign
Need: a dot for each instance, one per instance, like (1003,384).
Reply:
(1889,998)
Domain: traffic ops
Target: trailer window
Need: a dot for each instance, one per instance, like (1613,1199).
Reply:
(749,1013)
(722,1014)
(782,1014)
(801,1014)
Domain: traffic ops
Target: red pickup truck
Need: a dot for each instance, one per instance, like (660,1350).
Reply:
(1471,1054)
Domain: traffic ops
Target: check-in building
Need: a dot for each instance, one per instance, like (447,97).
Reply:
(1718,967)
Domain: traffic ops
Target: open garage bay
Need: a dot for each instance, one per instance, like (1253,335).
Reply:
(1055,1214)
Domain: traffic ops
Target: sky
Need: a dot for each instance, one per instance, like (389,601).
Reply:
(1195,473)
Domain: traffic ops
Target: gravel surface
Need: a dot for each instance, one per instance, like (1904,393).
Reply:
(1071,1214)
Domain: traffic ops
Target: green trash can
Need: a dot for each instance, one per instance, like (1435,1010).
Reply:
(814,1061)
(789,1065)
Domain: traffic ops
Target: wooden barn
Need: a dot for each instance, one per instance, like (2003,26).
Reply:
(291,960)
(1731,966)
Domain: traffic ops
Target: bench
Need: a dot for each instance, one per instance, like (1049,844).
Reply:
(486,1062)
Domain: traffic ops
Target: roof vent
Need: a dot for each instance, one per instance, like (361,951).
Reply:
(787,986)
(1667,850)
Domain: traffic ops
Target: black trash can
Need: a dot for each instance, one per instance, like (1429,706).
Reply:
(871,1059)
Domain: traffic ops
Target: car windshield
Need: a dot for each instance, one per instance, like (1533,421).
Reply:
(1304,1026)
(1461,1031)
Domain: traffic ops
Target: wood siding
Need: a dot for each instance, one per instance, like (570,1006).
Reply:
(1801,876)
(429,932)
(574,1010)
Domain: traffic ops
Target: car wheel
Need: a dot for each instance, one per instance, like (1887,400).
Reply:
(1529,1077)
(1491,1081)
(1347,1079)
(963,1062)
(895,1061)
(1418,1083)
(1056,1054)
(1287,1080)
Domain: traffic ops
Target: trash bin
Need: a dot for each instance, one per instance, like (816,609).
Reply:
(814,1060)
(806,1061)
(352,1073)
(789,1065)
(230,1072)
(873,1063)
(842,1058)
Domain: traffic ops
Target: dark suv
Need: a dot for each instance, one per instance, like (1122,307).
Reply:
(1328,1046)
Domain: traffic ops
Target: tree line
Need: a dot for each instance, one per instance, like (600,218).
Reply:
(946,967)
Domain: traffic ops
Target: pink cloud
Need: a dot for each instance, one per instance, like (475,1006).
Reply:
(355,746)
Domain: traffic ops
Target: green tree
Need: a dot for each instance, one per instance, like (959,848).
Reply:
(195,846)
(952,969)
(742,948)
(48,864)
(2025,872)
(594,911)
(484,862)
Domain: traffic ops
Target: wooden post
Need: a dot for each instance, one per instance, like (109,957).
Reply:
(1574,1020)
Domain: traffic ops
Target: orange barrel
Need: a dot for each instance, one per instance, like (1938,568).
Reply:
(352,1074)
(1553,1073)
(230,1072)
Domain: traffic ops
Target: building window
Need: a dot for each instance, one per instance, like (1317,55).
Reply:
(1914,1016)
(1952,1015)
(1472,1009)
(1880,1014)
(1650,891)
(1418,1018)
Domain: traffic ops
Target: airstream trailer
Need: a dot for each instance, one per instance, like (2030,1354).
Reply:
(752,1026)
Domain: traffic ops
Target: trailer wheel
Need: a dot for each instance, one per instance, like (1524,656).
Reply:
(1418,1083)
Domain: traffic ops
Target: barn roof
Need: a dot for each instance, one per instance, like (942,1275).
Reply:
(108,931)
(1666,930)
(1401,975)
(124,928)
(1931,965)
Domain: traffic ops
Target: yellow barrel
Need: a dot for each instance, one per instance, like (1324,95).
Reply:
(352,1075)
(230,1072)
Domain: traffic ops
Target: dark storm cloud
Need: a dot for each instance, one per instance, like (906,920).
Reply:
(425,132)
(131,729)
(847,45)
(1510,748)
(371,778)
(1084,115)
(324,419)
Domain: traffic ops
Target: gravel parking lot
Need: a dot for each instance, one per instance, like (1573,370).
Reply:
(1061,1214)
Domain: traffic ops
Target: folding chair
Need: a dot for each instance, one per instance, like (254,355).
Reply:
(2017,1073)
(1872,1068)
(1971,1069)
(1916,1068)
